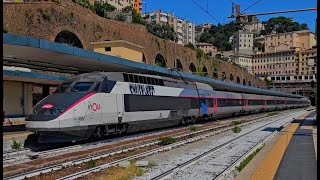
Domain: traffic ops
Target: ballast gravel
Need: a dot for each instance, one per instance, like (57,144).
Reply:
(211,166)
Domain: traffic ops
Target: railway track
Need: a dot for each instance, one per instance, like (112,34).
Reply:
(166,174)
(100,156)
(25,155)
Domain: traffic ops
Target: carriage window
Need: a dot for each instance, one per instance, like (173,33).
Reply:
(82,86)
(107,85)
(161,82)
(156,81)
(136,79)
(63,88)
(148,80)
(140,79)
(126,77)
(145,80)
(131,78)
(153,81)
(97,87)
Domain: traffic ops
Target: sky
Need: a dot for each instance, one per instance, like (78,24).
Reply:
(221,9)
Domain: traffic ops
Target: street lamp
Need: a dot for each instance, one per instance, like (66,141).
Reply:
(145,8)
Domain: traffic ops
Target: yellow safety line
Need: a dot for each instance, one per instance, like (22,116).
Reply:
(269,165)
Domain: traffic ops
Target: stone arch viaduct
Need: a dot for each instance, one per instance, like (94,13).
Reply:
(59,21)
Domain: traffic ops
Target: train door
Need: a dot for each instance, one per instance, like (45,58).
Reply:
(215,105)
(247,104)
(120,106)
(203,106)
(109,108)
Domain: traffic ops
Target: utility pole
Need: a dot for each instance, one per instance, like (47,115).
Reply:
(238,15)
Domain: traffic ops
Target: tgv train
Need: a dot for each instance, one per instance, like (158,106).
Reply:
(104,103)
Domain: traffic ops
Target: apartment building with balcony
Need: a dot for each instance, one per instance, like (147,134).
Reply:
(243,42)
(207,48)
(137,5)
(201,29)
(253,26)
(290,71)
(275,63)
(303,40)
(185,30)
(244,61)
(306,62)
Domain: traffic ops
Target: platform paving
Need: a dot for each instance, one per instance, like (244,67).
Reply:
(290,155)
(299,161)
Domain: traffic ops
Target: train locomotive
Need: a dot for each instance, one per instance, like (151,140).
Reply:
(107,103)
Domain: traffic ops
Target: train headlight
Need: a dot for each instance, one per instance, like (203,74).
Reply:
(47,106)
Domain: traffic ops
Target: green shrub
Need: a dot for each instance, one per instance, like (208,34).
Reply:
(166,140)
(91,164)
(15,144)
(236,129)
(194,128)
(248,159)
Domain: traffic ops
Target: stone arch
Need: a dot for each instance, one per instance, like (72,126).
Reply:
(144,60)
(160,61)
(204,71)
(218,56)
(68,37)
(238,80)
(249,83)
(192,68)
(223,76)
(231,77)
(178,65)
(243,82)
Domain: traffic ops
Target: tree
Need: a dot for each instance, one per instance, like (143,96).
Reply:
(84,3)
(304,26)
(100,8)
(258,45)
(219,35)
(164,31)
(136,17)
(120,17)
(190,45)
(282,24)
(269,83)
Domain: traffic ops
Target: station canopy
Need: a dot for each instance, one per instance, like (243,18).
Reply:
(34,53)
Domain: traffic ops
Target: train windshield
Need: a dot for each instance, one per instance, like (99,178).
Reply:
(82,86)
(63,88)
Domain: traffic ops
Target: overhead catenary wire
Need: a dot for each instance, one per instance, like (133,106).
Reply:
(251,5)
(206,11)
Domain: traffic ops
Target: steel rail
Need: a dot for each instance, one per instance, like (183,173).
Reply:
(164,148)
(186,164)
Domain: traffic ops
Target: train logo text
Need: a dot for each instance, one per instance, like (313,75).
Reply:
(139,89)
(94,106)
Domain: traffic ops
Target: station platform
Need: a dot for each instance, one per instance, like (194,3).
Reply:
(14,121)
(13,124)
(291,154)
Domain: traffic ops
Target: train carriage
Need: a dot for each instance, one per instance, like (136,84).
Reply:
(101,104)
